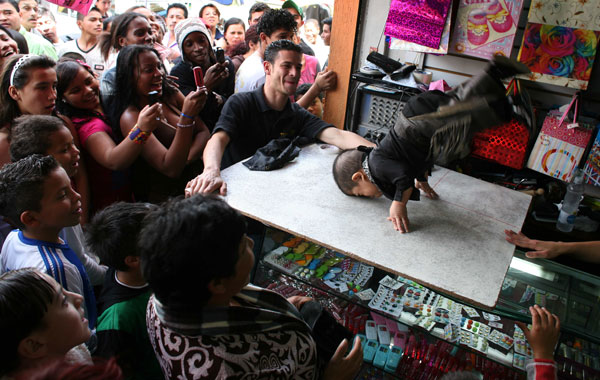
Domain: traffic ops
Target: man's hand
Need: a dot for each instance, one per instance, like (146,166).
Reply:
(326,80)
(428,190)
(399,216)
(544,332)
(541,249)
(342,368)
(206,183)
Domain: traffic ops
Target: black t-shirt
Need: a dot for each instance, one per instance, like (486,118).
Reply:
(251,124)
(396,163)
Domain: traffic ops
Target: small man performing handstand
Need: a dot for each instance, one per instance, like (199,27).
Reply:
(433,127)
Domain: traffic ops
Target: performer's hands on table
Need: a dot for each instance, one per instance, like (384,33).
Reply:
(399,216)
(428,190)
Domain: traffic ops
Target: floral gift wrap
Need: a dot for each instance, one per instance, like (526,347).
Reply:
(560,41)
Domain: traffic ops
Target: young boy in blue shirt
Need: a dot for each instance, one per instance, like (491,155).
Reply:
(112,235)
(37,197)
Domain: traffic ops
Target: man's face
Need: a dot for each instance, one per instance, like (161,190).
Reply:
(103,5)
(9,17)
(297,17)
(283,74)
(91,24)
(28,10)
(254,17)
(311,31)
(279,34)
(326,34)
(47,27)
(174,16)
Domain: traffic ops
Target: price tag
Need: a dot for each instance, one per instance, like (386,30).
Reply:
(572,125)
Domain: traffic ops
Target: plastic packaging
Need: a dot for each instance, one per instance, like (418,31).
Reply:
(570,204)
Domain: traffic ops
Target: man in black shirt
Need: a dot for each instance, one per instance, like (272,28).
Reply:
(250,120)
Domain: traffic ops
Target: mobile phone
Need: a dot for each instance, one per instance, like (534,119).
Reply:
(220,54)
(198,76)
(152,98)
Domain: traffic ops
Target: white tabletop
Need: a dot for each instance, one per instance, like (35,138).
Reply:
(456,244)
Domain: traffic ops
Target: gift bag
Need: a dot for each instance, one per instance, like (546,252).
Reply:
(591,170)
(485,28)
(505,144)
(560,145)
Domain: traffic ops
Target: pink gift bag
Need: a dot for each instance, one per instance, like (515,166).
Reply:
(560,145)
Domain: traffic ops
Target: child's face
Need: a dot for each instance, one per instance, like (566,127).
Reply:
(38,96)
(365,188)
(60,206)
(63,149)
(64,325)
(316,108)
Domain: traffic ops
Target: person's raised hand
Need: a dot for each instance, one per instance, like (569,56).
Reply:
(342,367)
(150,117)
(399,216)
(194,102)
(544,332)
(326,80)
(206,183)
(215,75)
(541,249)
(428,190)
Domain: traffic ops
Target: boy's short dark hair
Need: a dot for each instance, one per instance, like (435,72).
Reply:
(257,7)
(327,21)
(113,232)
(180,6)
(22,186)
(81,16)
(303,89)
(30,135)
(276,46)
(25,296)
(14,3)
(187,243)
(347,162)
(274,19)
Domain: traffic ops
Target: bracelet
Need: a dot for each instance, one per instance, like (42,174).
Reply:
(138,136)
(184,115)
(186,125)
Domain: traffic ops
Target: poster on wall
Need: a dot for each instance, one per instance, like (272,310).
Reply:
(398,44)
(560,41)
(421,22)
(486,28)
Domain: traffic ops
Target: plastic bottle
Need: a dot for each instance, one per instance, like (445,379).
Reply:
(570,205)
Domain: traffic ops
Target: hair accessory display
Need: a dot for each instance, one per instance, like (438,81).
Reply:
(17,65)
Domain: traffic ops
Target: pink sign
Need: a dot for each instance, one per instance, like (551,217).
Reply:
(81,6)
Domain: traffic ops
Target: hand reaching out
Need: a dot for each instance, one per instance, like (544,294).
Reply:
(342,367)
(541,249)
(544,332)
(399,216)
(207,182)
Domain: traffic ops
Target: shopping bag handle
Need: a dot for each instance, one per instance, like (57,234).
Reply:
(576,101)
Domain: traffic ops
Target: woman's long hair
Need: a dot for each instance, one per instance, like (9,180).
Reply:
(126,95)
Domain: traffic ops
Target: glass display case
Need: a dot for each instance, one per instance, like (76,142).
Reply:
(430,332)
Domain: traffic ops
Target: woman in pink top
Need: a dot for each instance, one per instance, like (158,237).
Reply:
(78,97)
